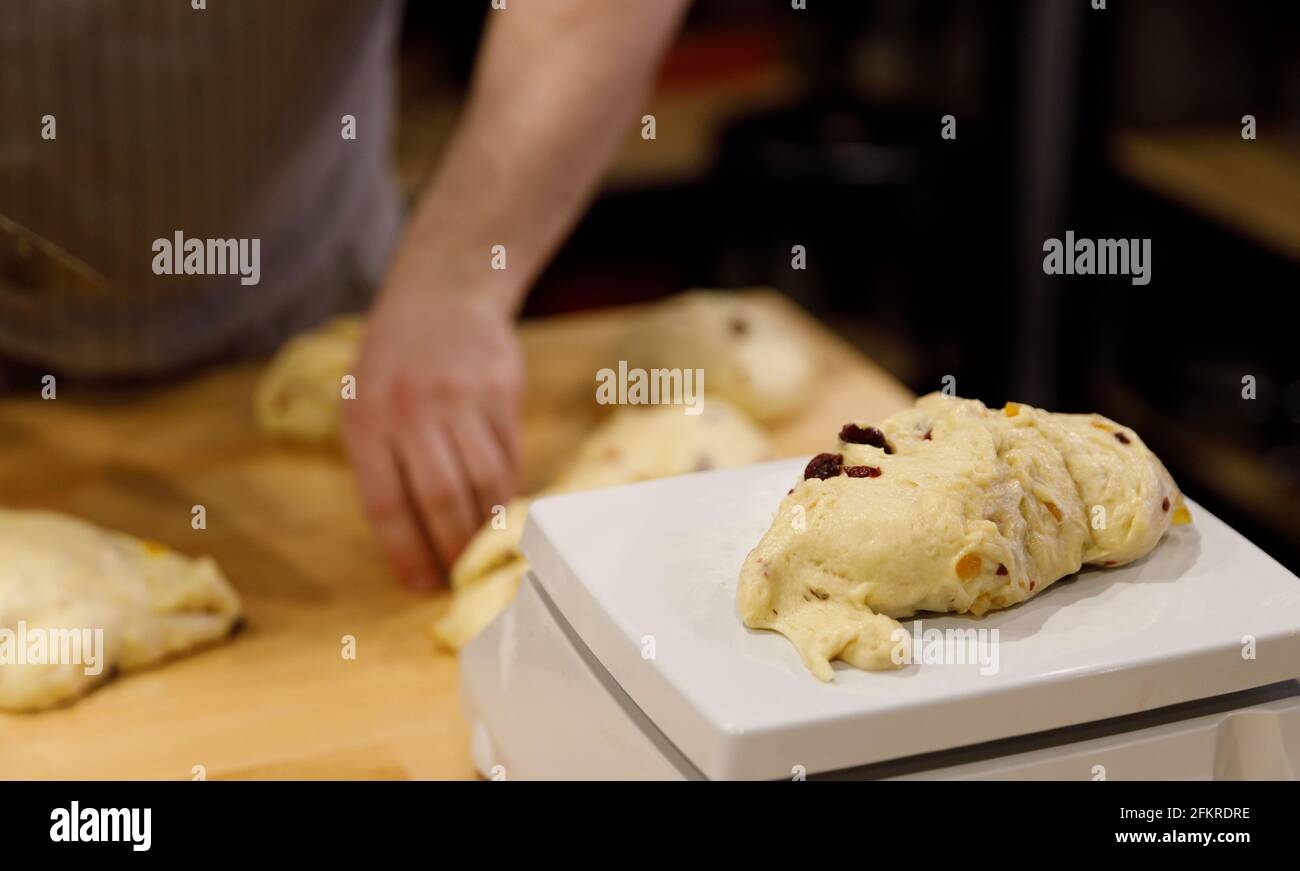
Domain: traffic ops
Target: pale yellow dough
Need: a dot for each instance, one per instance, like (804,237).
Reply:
(477,603)
(1029,492)
(300,395)
(61,573)
(749,357)
(299,398)
(636,443)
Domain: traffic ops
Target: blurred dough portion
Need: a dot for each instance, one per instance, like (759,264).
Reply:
(298,397)
(748,356)
(61,573)
(476,604)
(947,506)
(494,545)
(636,443)
(639,443)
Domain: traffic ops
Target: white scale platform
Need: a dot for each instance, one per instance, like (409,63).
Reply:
(623,657)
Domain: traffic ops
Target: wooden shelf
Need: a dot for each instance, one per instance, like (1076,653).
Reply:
(1252,186)
(688,123)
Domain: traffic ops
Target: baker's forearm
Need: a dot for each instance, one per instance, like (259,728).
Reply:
(557,88)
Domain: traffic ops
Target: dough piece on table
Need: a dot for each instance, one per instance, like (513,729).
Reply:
(61,573)
(299,396)
(947,506)
(748,356)
(491,547)
(640,443)
(636,443)
(477,604)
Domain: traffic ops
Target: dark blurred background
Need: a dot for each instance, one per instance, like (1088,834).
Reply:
(821,128)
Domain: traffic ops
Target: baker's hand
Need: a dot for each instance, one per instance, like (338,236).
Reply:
(433,432)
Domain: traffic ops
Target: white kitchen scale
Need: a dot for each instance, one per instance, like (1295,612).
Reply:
(623,657)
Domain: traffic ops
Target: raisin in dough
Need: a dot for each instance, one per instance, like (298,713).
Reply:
(57,572)
(299,398)
(948,506)
(749,357)
(636,443)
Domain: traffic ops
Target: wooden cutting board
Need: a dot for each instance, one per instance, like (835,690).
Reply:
(280,701)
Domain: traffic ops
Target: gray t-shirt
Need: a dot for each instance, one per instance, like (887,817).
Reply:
(220,123)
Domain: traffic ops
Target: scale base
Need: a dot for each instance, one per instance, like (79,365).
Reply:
(541,707)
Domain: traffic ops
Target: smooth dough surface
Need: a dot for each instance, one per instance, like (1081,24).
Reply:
(972,510)
(299,397)
(61,573)
(749,357)
(634,444)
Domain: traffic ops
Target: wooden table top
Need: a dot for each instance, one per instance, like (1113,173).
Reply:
(279,700)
